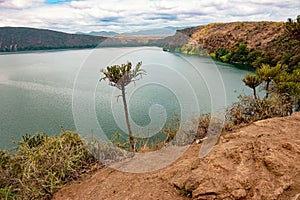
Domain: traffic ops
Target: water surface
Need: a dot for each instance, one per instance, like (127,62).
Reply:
(36,90)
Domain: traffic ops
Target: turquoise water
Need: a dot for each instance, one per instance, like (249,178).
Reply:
(50,91)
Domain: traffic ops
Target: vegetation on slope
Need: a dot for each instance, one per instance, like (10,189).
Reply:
(273,48)
(42,164)
(251,43)
(13,39)
(27,39)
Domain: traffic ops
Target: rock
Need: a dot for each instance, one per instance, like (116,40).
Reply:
(238,194)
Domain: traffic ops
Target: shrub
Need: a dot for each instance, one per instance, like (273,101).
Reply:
(249,109)
(245,111)
(109,152)
(203,125)
(221,52)
(42,165)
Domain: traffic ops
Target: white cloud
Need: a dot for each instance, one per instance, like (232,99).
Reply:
(19,4)
(130,15)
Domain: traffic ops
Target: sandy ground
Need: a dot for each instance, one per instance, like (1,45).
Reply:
(260,161)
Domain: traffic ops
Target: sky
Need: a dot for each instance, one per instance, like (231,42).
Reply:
(131,15)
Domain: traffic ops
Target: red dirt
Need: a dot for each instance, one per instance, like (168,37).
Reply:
(260,161)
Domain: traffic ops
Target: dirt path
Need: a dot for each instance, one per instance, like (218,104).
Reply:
(260,161)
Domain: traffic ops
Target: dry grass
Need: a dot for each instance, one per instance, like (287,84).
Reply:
(42,165)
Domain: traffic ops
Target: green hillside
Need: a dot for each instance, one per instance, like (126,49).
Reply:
(23,39)
(250,43)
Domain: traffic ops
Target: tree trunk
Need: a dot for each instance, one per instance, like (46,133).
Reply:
(267,89)
(131,140)
(254,93)
(297,105)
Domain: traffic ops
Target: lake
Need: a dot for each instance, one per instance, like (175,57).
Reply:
(51,91)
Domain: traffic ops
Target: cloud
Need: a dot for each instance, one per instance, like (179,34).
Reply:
(131,15)
(19,4)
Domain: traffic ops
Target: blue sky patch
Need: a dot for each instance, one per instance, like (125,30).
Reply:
(109,19)
(56,1)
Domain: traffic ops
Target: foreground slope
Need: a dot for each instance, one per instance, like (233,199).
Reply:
(260,161)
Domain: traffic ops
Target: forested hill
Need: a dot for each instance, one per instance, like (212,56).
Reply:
(241,42)
(24,39)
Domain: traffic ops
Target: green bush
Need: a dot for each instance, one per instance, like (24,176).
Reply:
(221,52)
(249,109)
(42,164)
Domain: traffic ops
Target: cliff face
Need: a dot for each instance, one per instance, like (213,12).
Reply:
(271,39)
(258,35)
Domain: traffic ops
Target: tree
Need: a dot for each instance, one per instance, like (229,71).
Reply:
(252,81)
(221,52)
(288,85)
(267,74)
(120,76)
(293,25)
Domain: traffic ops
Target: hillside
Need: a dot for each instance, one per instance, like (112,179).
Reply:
(259,161)
(237,42)
(267,42)
(13,39)
(22,39)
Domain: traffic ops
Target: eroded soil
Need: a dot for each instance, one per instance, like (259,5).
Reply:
(260,161)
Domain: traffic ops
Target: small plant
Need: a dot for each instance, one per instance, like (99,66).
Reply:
(204,121)
(108,153)
(184,192)
(33,140)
